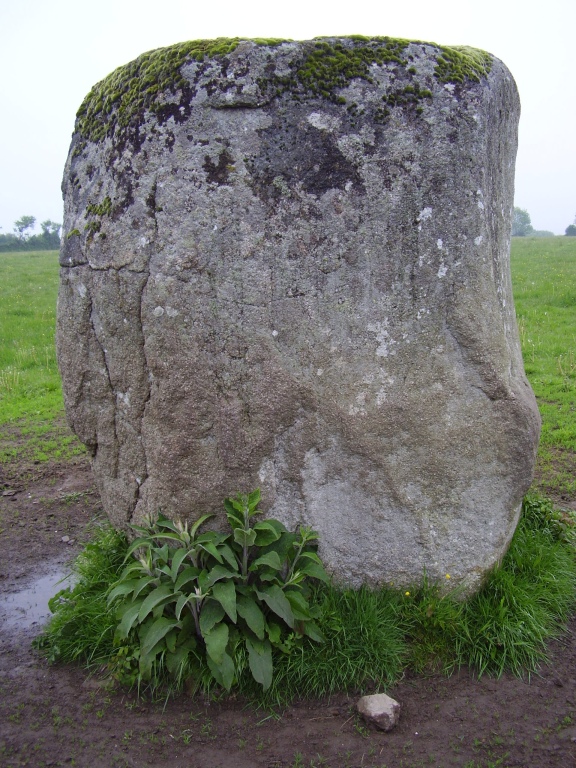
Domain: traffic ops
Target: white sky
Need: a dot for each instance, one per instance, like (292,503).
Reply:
(53,51)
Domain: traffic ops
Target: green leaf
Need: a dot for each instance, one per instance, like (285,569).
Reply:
(249,610)
(311,629)
(223,671)
(236,519)
(170,639)
(154,599)
(244,538)
(162,552)
(225,593)
(267,532)
(127,617)
(156,632)
(299,604)
(188,574)
(313,569)
(270,559)
(142,584)
(175,661)
(283,546)
(168,537)
(165,569)
(274,632)
(215,574)
(165,522)
(216,641)
(276,600)
(124,588)
(254,499)
(239,505)
(136,544)
(177,559)
(210,547)
(228,555)
(198,523)
(260,661)
(180,603)
(212,612)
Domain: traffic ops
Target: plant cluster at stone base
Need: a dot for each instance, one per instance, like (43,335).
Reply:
(252,620)
(192,597)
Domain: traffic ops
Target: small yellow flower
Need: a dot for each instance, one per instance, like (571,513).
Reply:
(447,575)
(407,594)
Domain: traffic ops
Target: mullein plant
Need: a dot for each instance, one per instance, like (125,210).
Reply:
(188,598)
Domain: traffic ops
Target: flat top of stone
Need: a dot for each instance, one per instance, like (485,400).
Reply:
(310,68)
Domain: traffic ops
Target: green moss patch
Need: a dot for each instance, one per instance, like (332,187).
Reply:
(124,95)
(327,65)
(460,63)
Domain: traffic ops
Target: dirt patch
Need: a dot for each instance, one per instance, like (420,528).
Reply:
(57,716)
(555,475)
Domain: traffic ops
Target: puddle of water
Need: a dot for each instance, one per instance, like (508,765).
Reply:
(29,606)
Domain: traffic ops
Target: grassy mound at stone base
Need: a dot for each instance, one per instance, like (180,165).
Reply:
(370,637)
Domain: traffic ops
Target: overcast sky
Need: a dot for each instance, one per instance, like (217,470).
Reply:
(53,51)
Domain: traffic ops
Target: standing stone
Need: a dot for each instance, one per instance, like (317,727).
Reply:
(285,265)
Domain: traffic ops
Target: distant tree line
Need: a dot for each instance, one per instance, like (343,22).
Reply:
(24,240)
(522,226)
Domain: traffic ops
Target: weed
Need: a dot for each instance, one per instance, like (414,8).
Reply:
(369,636)
(211,604)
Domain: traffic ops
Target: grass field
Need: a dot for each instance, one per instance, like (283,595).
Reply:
(31,405)
(544,279)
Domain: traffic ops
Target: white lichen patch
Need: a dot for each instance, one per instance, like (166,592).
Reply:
(442,270)
(324,122)
(478,240)
(382,337)
(158,311)
(425,213)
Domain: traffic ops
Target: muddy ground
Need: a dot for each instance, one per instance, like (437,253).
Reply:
(58,716)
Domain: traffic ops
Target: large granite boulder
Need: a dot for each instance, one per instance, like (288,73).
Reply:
(286,265)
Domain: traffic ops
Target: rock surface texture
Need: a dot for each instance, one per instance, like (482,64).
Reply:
(379,710)
(286,266)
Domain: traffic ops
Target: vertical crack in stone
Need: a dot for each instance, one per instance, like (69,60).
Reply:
(142,413)
(104,360)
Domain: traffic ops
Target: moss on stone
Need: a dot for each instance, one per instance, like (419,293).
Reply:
(459,63)
(100,209)
(327,65)
(126,93)
(332,64)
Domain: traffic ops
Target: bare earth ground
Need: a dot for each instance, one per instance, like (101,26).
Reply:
(57,716)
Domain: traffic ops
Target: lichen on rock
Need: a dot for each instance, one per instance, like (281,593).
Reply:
(286,266)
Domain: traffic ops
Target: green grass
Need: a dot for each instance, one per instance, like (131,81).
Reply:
(544,280)
(82,628)
(371,637)
(31,404)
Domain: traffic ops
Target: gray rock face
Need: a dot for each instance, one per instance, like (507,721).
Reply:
(379,710)
(286,266)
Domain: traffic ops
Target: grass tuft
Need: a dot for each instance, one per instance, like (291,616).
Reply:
(82,627)
(371,636)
